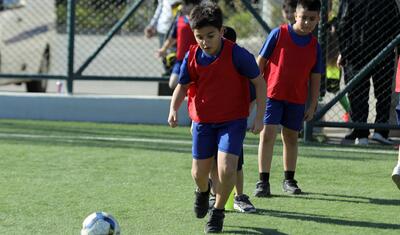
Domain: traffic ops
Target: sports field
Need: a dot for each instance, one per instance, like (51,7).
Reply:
(53,174)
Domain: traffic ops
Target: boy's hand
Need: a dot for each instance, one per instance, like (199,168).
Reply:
(309,114)
(257,126)
(173,119)
(162,52)
(150,31)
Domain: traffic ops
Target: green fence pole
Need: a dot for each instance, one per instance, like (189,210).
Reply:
(71,45)
(110,35)
(257,16)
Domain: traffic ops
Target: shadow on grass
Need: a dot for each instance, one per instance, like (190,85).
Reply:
(253,230)
(343,198)
(325,219)
(160,147)
(94,129)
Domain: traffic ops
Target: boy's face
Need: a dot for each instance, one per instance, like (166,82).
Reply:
(209,39)
(288,14)
(305,20)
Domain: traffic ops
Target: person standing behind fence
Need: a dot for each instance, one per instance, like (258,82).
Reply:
(162,20)
(183,36)
(290,59)
(364,29)
(396,170)
(215,76)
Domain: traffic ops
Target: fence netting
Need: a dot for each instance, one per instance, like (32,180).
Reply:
(358,30)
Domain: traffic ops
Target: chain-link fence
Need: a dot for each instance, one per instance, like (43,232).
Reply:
(109,44)
(357,31)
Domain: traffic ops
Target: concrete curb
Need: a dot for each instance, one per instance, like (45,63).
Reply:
(91,108)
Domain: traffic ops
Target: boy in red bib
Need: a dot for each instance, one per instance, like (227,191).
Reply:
(290,60)
(215,75)
(396,170)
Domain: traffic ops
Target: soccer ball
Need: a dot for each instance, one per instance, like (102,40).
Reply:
(100,223)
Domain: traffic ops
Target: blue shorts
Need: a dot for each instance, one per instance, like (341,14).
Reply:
(226,137)
(398,112)
(287,114)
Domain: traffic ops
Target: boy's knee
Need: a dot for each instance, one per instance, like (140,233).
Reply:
(290,136)
(228,170)
(268,135)
(197,174)
(173,81)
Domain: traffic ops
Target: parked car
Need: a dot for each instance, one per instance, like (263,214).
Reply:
(27,30)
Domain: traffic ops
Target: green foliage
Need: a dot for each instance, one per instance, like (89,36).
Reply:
(99,18)
(239,18)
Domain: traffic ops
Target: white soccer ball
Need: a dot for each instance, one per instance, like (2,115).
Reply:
(100,223)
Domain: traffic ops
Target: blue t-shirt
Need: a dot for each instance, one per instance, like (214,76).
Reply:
(175,26)
(243,61)
(272,39)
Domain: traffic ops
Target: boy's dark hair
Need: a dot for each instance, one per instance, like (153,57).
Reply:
(206,14)
(230,33)
(310,5)
(289,4)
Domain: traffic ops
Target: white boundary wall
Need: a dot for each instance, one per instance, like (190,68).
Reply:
(115,109)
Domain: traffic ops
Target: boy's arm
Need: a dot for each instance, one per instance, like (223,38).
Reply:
(177,98)
(314,94)
(259,84)
(162,52)
(261,61)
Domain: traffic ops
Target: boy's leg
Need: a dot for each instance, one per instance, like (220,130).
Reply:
(173,80)
(227,164)
(292,122)
(203,149)
(239,182)
(396,172)
(241,201)
(289,139)
(200,172)
(230,141)
(265,151)
(214,183)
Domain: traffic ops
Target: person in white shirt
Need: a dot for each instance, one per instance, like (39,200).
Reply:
(162,20)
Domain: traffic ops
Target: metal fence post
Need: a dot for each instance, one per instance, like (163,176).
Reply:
(71,45)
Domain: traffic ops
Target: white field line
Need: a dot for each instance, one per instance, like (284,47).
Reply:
(187,142)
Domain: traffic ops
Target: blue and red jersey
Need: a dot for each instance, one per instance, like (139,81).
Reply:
(184,37)
(219,87)
(291,59)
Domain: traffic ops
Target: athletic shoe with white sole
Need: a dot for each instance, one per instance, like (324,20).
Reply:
(396,175)
(242,204)
(379,138)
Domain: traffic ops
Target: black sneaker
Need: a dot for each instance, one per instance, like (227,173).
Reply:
(201,202)
(211,201)
(290,186)
(262,189)
(351,136)
(242,203)
(216,221)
